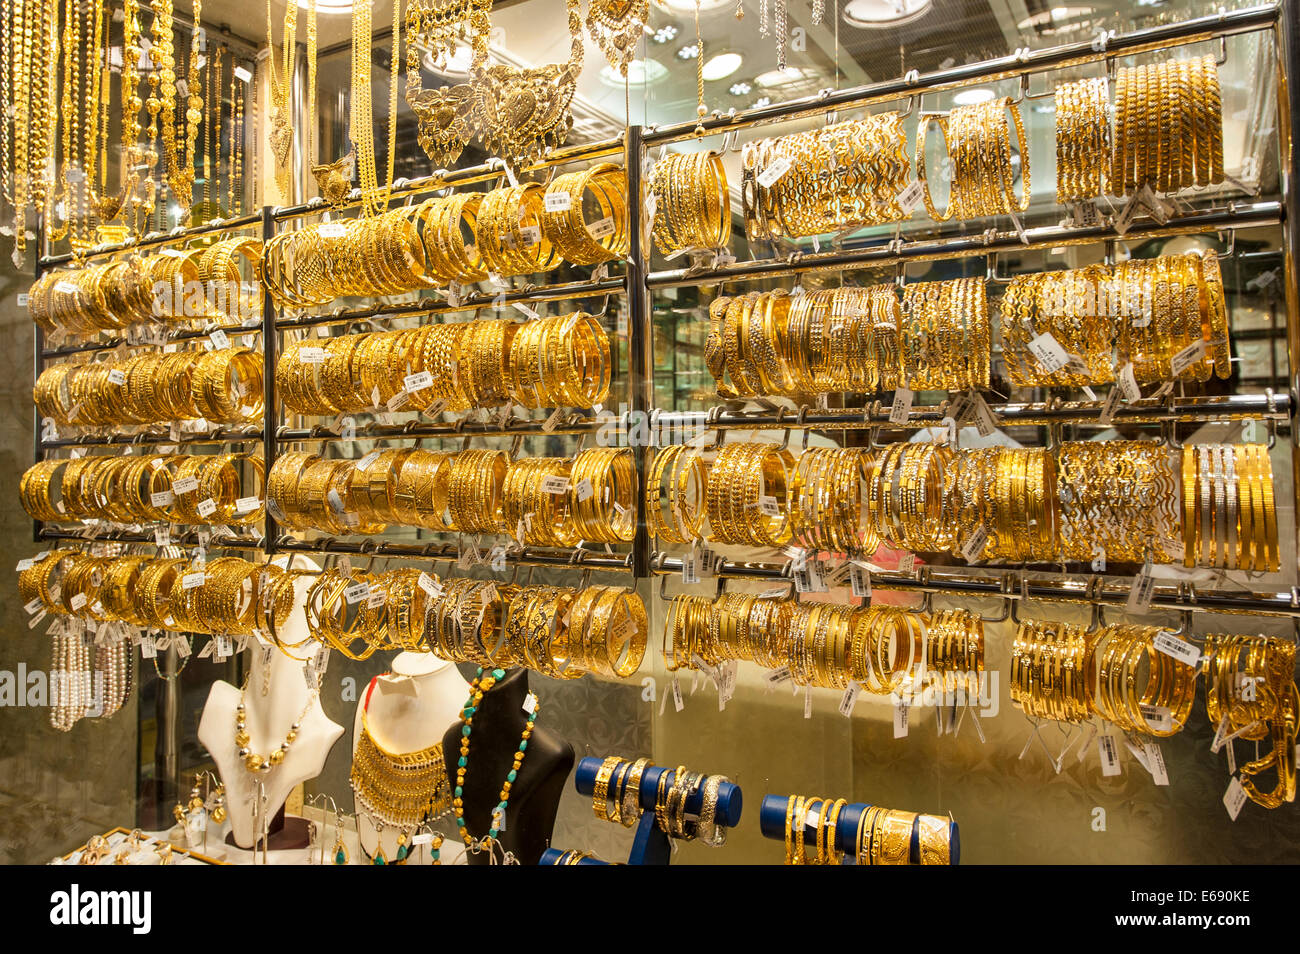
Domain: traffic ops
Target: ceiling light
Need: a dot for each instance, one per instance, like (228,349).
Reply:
(969,97)
(665,33)
(721,65)
(877,14)
(689,6)
(786,77)
(740,89)
(328,7)
(688,52)
(1058,20)
(762,101)
(639,73)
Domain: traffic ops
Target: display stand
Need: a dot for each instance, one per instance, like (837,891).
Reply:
(552,856)
(771,821)
(652,845)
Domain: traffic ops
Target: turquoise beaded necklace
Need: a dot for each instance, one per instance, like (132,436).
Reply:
(481,684)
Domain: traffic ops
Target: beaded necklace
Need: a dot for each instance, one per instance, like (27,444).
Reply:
(481,684)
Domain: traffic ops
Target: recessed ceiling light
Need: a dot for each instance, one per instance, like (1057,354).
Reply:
(762,101)
(328,7)
(665,33)
(877,14)
(969,97)
(688,6)
(786,77)
(740,89)
(721,65)
(639,73)
(689,52)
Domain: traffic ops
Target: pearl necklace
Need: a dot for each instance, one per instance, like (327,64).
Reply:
(253,761)
(481,684)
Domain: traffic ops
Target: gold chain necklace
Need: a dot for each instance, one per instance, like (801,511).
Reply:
(281,121)
(180,167)
(374,198)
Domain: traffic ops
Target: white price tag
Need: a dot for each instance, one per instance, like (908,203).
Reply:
(117,376)
(25,565)
(1175,646)
(601,228)
(530,703)
(558,201)
(1156,763)
(1185,358)
(332,230)
(186,485)
(163,498)
(335,501)
(311,355)
(418,381)
(1139,595)
(973,549)
(583,490)
(206,508)
(219,340)
(243,75)
(148,648)
(860,581)
(1107,414)
(247,504)
(398,401)
(807,702)
(768,506)
(1127,383)
(1109,755)
(1158,718)
(901,409)
(530,235)
(849,699)
(769,176)
(554,484)
(430,585)
(900,720)
(911,197)
(357,592)
(65,288)
(377,598)
(78,601)
(190,580)
(1048,352)
(678,703)
(1234,799)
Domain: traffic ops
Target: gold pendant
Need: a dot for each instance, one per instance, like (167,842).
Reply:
(335,179)
(281,137)
(446,121)
(616,26)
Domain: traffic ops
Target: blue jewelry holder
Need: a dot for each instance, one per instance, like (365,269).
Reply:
(771,820)
(551,856)
(651,845)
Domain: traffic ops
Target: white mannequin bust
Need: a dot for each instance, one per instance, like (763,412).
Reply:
(268,718)
(410,709)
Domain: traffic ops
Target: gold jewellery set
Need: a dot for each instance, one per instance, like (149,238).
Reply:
(540,501)
(138,289)
(557,361)
(830,646)
(557,631)
(126,489)
(883,836)
(223,386)
(463,238)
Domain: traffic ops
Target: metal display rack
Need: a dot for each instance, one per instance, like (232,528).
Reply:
(636,284)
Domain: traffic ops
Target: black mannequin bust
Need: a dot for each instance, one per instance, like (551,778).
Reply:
(535,794)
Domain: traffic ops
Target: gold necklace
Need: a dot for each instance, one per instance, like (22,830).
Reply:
(447,116)
(281,125)
(525,112)
(374,198)
(181,166)
(616,26)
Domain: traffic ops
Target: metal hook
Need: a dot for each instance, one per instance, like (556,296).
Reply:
(1024,90)
(991,260)
(1232,245)
(1169,435)
(1223,51)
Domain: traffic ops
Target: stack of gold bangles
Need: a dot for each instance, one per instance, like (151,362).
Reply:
(1119,499)
(135,289)
(944,336)
(223,597)
(954,650)
(828,506)
(222,386)
(836,177)
(461,238)
(674,504)
(1168,126)
(616,796)
(542,501)
(692,203)
(673,790)
(1051,670)
(843,339)
(557,631)
(131,489)
(559,361)
(747,494)
(822,644)
(1143,311)
(1228,509)
(1083,150)
(977,139)
(1162,707)
(1250,693)
(1010,494)
(883,836)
